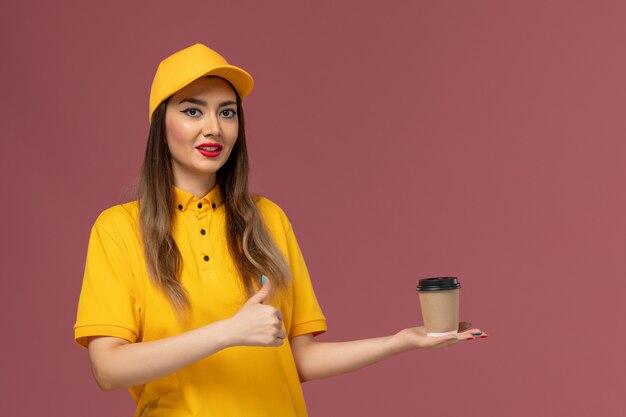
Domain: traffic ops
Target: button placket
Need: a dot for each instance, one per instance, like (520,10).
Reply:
(204,219)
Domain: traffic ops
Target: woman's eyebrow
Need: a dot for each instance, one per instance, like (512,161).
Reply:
(193,100)
(228,103)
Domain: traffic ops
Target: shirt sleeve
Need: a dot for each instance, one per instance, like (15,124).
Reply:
(108,303)
(307,316)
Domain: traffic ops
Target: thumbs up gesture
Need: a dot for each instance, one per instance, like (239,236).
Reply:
(258,324)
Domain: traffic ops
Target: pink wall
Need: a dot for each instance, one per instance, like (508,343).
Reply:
(483,139)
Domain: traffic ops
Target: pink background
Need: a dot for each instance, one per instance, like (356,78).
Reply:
(483,139)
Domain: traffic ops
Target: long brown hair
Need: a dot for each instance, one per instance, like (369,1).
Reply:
(249,242)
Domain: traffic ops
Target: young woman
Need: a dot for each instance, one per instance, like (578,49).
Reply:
(196,297)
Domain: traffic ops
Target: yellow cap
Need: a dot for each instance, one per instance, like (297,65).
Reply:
(185,66)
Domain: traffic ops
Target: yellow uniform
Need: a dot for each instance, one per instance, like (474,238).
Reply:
(118,299)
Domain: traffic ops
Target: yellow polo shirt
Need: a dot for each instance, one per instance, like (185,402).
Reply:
(118,299)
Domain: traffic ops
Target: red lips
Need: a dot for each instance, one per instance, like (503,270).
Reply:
(210,150)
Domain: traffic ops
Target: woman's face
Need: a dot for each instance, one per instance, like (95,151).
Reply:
(202,126)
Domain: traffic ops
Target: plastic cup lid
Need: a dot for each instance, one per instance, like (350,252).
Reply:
(438,284)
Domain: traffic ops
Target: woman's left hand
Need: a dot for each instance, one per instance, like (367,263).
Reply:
(416,338)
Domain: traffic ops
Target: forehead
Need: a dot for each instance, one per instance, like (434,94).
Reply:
(207,87)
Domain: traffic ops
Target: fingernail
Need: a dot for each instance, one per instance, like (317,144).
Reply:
(483,336)
(477,333)
(263,279)
(454,338)
(470,338)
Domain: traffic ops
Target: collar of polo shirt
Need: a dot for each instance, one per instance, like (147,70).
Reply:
(184,200)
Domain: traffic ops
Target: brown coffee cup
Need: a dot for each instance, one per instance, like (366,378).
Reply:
(439,300)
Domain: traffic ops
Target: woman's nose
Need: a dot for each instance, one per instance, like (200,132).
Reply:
(211,126)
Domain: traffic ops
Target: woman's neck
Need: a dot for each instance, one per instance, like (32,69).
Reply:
(198,187)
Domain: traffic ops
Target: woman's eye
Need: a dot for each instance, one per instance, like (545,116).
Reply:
(192,112)
(229,113)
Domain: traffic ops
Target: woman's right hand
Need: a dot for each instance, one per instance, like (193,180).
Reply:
(257,324)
